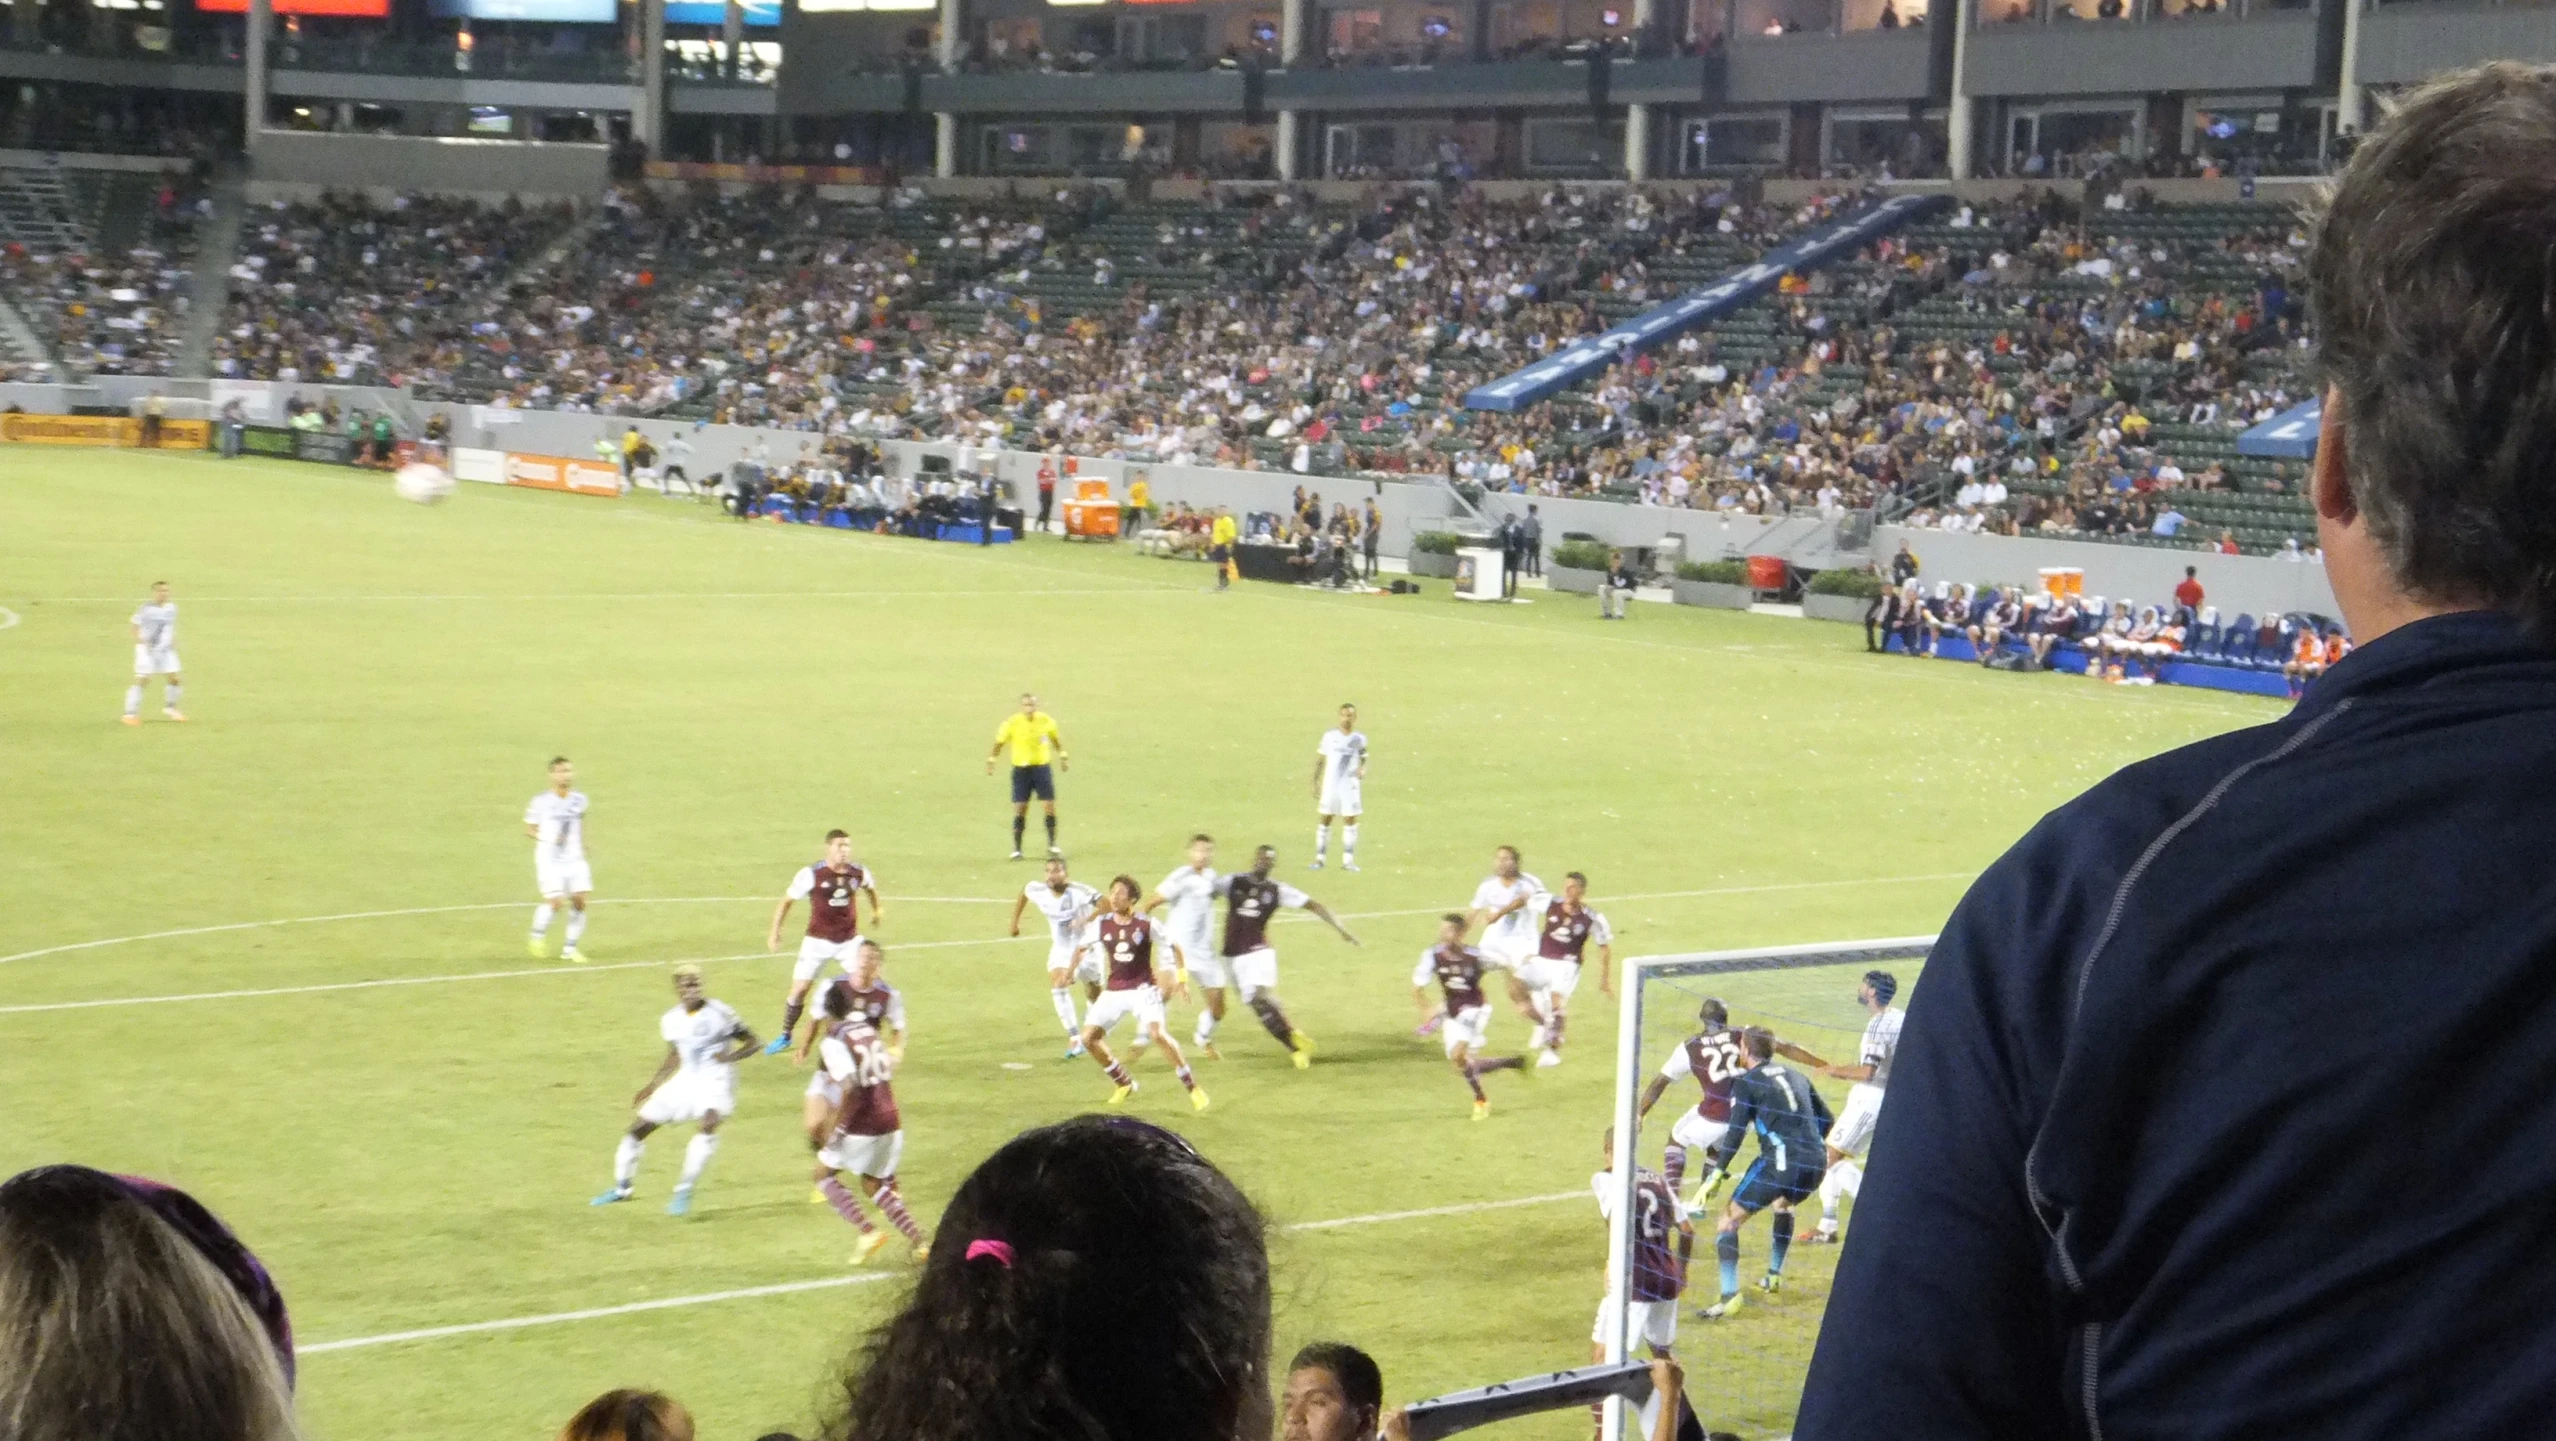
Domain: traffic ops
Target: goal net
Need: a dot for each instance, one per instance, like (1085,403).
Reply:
(1744,1371)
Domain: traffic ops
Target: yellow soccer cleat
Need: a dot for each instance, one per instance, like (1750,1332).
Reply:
(867,1246)
(175,715)
(133,720)
(816,1196)
(535,949)
(1208,1049)
(1198,1100)
(1482,1110)
(1119,1096)
(1301,1049)
(572,955)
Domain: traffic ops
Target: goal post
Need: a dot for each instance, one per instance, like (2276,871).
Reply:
(1805,994)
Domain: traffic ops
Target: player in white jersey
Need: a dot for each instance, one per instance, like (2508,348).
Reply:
(1068,906)
(155,653)
(1852,1135)
(556,821)
(1503,908)
(1340,772)
(1190,925)
(696,1082)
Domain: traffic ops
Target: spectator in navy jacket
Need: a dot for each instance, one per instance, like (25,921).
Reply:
(2223,1106)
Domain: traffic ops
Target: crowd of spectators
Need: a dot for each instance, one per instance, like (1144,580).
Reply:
(104,312)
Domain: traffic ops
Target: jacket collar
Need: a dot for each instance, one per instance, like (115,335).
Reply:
(2420,651)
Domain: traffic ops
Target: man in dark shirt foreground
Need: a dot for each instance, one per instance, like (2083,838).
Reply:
(2224,1106)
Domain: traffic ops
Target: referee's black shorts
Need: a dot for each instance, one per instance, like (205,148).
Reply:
(1032,783)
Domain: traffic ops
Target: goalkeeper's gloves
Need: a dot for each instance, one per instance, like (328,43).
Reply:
(1714,1181)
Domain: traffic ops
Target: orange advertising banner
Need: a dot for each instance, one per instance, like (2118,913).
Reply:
(562,472)
(100,430)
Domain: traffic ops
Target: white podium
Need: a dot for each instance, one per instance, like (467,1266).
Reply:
(1478,574)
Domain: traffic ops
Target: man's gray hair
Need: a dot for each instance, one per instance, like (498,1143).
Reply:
(2433,281)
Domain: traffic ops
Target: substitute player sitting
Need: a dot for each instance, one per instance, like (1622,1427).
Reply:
(1466,1022)
(1252,900)
(1565,925)
(1791,1123)
(1068,905)
(1713,1058)
(696,1082)
(1126,947)
(833,888)
(868,1137)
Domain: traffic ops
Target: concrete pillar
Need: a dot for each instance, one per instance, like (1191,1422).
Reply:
(1958,125)
(1637,142)
(261,24)
(1288,145)
(1292,19)
(2350,99)
(732,37)
(945,156)
(648,116)
(949,44)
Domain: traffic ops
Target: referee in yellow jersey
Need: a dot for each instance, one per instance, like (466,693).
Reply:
(1033,739)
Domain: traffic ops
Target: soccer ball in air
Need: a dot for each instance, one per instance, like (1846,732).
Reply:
(422,483)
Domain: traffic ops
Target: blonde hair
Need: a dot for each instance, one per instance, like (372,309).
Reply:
(628,1415)
(114,1326)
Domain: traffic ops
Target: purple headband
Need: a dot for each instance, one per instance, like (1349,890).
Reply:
(999,1252)
(214,1241)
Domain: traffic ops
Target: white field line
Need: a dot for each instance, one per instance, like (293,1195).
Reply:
(786,1288)
(8,617)
(449,910)
(573,970)
(552,596)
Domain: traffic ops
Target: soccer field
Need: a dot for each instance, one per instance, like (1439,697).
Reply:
(276,955)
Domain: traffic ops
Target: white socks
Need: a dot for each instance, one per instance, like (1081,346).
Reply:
(1063,996)
(1322,839)
(1206,1031)
(1349,843)
(576,925)
(169,697)
(625,1161)
(541,918)
(1846,1178)
(133,701)
(696,1156)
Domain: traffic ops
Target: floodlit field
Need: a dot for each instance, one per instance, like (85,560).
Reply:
(276,954)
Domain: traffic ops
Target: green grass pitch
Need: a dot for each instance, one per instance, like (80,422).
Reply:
(375,688)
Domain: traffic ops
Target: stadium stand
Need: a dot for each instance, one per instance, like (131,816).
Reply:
(96,267)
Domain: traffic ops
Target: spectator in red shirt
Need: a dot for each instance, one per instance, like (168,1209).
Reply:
(2188,593)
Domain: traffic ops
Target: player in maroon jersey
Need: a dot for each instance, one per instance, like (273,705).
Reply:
(1565,925)
(868,1136)
(833,888)
(1457,968)
(1252,899)
(1128,950)
(864,993)
(1713,1059)
(1659,1264)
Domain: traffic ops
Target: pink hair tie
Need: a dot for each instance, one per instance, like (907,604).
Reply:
(1000,1251)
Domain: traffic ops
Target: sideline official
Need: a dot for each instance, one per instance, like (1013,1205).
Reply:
(1034,743)
(2222,1106)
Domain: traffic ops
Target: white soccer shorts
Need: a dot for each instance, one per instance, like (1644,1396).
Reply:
(1546,974)
(1502,953)
(1061,958)
(1853,1131)
(1653,1321)
(1468,1027)
(1254,971)
(148,662)
(1207,969)
(814,952)
(871,1156)
(688,1096)
(1145,1003)
(562,878)
(824,1087)
(1696,1133)
(1340,798)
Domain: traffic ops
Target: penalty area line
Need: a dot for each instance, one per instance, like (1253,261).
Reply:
(788,1288)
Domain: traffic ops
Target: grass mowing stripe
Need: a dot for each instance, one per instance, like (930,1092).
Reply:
(785,1288)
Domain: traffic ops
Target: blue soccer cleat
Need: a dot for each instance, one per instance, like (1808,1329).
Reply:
(681,1204)
(777,1046)
(617,1193)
